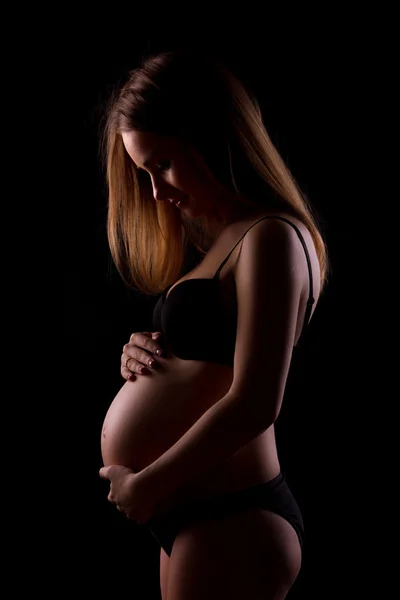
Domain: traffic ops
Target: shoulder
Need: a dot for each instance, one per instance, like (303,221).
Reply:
(271,251)
(272,227)
(273,243)
(280,223)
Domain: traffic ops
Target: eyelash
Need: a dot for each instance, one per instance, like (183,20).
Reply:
(165,162)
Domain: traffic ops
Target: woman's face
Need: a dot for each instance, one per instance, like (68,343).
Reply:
(177,172)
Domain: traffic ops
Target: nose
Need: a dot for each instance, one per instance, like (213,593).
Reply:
(159,190)
(157,193)
(160,194)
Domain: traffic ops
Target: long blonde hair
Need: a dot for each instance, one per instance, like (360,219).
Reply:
(181,93)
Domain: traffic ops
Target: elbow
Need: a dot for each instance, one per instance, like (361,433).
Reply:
(258,410)
(256,415)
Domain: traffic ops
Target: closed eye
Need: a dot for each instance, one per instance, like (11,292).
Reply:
(163,166)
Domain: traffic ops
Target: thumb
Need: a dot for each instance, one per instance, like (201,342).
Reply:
(156,335)
(105,472)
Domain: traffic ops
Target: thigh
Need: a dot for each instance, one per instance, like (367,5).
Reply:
(164,567)
(253,554)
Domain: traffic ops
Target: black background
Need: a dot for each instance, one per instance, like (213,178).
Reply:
(309,87)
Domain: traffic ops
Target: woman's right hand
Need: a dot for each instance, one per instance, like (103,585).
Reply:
(136,354)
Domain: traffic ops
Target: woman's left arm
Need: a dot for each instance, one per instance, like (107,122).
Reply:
(270,277)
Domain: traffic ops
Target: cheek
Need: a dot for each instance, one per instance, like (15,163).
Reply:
(194,180)
(196,185)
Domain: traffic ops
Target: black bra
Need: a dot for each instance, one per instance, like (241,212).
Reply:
(195,338)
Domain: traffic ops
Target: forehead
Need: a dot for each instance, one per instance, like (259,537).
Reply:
(142,145)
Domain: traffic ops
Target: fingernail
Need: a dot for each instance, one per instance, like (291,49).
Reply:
(144,371)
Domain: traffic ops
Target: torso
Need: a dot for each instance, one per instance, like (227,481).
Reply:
(184,389)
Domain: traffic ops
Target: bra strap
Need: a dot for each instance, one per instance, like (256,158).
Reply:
(310,300)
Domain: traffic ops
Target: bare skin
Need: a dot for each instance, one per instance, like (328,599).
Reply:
(177,392)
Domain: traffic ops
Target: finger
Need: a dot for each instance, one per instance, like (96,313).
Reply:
(136,334)
(138,359)
(147,343)
(127,374)
(106,472)
(131,357)
(135,369)
(129,361)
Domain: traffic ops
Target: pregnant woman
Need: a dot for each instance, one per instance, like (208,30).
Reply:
(190,447)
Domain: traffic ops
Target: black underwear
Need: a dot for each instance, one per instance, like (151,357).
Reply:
(274,495)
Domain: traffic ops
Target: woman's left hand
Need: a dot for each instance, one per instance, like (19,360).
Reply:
(131,492)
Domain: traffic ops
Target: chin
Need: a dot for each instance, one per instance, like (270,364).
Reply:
(194,209)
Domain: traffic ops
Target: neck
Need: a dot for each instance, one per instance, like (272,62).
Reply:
(230,210)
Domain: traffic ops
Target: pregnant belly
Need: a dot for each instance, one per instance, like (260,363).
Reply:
(149,415)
